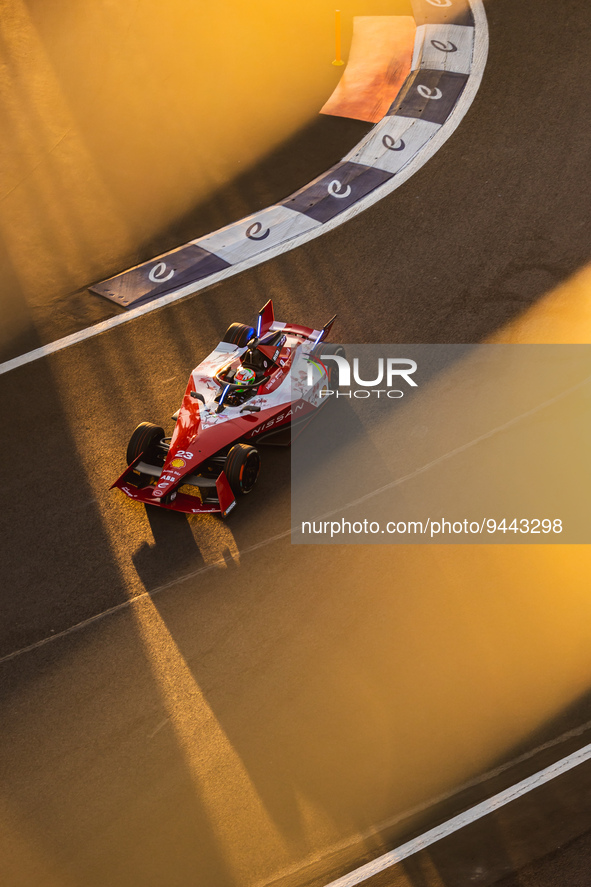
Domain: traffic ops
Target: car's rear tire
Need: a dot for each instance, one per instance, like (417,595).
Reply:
(242,468)
(238,334)
(145,439)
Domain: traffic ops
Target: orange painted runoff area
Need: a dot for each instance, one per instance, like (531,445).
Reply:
(379,63)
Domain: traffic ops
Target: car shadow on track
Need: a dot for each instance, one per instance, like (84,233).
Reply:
(174,552)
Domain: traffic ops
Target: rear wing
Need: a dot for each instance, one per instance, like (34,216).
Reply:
(265,319)
(323,334)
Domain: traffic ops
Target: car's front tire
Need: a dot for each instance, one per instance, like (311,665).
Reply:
(145,439)
(242,468)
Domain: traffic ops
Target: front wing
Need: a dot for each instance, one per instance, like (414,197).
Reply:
(177,501)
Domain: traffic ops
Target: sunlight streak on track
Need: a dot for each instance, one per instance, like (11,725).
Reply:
(561,316)
(237,815)
(57,216)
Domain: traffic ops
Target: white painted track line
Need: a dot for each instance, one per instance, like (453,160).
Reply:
(463,819)
(434,144)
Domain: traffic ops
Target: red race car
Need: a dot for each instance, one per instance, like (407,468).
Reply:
(251,389)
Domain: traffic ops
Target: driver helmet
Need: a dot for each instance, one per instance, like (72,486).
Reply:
(245,376)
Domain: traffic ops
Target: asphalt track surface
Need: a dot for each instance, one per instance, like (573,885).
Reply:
(114,735)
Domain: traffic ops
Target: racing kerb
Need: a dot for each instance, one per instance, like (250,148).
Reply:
(450,50)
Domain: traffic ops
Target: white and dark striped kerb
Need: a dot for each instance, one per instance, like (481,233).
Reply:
(441,68)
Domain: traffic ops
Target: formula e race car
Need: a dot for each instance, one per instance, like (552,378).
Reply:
(251,389)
